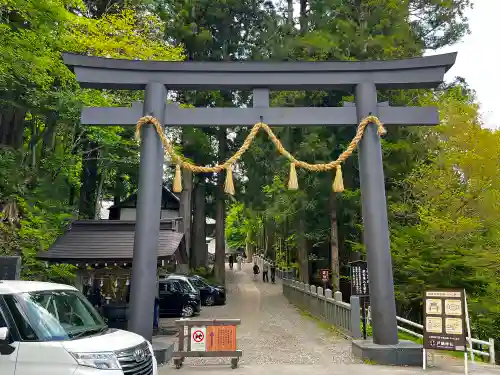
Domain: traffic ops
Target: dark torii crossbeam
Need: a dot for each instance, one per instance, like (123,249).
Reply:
(362,77)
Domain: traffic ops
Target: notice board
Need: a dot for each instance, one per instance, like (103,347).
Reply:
(10,268)
(221,338)
(360,285)
(444,320)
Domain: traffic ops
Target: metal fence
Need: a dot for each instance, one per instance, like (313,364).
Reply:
(330,308)
(479,347)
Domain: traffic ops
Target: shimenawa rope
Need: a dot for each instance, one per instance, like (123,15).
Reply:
(338,185)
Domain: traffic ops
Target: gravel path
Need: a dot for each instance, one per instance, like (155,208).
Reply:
(272,330)
(276,339)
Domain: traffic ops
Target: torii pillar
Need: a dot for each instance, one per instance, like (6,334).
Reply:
(362,77)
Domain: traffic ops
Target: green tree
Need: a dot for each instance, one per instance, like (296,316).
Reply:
(43,146)
(450,238)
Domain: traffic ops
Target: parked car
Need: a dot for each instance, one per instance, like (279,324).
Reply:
(177,297)
(210,294)
(48,328)
(184,278)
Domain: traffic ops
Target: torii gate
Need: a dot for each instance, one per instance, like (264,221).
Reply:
(364,77)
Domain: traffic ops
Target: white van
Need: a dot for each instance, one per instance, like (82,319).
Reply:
(52,329)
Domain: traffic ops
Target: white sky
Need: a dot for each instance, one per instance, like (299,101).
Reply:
(478,59)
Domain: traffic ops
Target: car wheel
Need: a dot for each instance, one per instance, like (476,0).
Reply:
(187,311)
(209,301)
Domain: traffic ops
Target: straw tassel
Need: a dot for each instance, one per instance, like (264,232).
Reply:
(229,184)
(293,184)
(338,182)
(381,130)
(178,179)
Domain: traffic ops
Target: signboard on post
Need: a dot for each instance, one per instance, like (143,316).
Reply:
(325,275)
(444,314)
(198,339)
(360,287)
(359,279)
(10,268)
(221,338)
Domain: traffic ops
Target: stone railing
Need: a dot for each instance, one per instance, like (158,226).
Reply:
(322,304)
(325,306)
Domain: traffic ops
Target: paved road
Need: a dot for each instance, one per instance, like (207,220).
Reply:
(276,339)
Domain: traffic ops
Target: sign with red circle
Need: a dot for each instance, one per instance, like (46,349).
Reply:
(198,336)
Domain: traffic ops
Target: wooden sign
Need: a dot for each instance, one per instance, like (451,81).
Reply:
(325,275)
(444,320)
(360,285)
(221,339)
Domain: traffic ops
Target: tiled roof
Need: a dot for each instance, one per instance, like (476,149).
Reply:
(169,200)
(108,240)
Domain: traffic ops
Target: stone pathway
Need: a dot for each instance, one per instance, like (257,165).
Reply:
(272,330)
(276,338)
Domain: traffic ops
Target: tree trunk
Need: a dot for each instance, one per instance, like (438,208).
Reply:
(49,135)
(186,208)
(12,126)
(199,255)
(33,141)
(270,241)
(249,250)
(88,190)
(97,210)
(304,24)
(289,19)
(303,256)
(220,214)
(334,243)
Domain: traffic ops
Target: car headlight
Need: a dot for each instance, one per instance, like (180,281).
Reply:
(102,361)
(150,348)
(193,296)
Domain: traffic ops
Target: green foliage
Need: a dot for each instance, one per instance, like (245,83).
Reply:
(43,148)
(445,229)
(236,231)
(207,273)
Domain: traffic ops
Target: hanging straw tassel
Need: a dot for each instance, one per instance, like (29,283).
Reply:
(137,134)
(229,184)
(293,184)
(338,182)
(178,179)
(381,130)
(380,127)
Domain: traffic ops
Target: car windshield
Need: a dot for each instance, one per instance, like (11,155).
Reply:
(198,282)
(189,285)
(54,315)
(182,285)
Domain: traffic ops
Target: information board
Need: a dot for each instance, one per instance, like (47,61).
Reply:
(444,320)
(221,338)
(360,285)
(10,268)
(325,275)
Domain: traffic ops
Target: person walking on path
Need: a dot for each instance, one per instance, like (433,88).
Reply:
(239,260)
(265,272)
(231,261)
(273,272)
(256,270)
